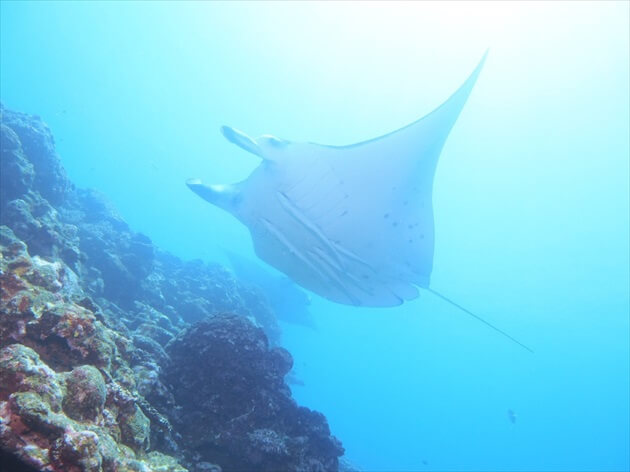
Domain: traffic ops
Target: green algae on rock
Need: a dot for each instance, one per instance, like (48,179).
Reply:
(135,430)
(53,419)
(21,370)
(86,393)
(35,429)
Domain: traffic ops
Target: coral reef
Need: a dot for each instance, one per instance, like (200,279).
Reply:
(102,335)
(252,423)
(60,405)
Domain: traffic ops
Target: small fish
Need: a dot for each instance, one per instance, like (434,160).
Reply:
(512,416)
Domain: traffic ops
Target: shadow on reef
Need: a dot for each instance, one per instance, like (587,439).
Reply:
(11,463)
(117,356)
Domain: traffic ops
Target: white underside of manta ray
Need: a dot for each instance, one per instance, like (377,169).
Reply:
(351,223)
(354,223)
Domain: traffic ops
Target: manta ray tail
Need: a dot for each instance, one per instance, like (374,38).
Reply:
(456,305)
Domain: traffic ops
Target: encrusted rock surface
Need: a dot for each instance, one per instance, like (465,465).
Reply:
(60,407)
(251,421)
(30,138)
(102,336)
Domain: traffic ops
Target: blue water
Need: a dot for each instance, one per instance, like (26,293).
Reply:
(531,196)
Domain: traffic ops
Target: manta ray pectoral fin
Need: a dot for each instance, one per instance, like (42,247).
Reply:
(425,137)
(440,121)
(224,196)
(437,125)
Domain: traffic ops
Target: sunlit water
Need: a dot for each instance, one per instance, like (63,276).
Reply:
(531,196)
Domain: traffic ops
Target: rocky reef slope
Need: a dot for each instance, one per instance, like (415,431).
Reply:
(117,356)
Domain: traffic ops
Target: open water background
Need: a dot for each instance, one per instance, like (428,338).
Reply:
(531,196)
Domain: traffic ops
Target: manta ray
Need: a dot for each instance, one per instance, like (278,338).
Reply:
(351,223)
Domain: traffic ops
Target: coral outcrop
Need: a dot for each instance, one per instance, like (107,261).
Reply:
(102,336)
(222,369)
(61,408)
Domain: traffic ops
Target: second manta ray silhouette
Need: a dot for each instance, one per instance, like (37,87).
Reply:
(351,223)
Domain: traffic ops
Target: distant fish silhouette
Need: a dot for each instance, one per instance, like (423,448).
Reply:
(351,223)
(293,379)
(511,416)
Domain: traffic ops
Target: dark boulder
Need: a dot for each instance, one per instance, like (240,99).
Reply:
(236,409)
